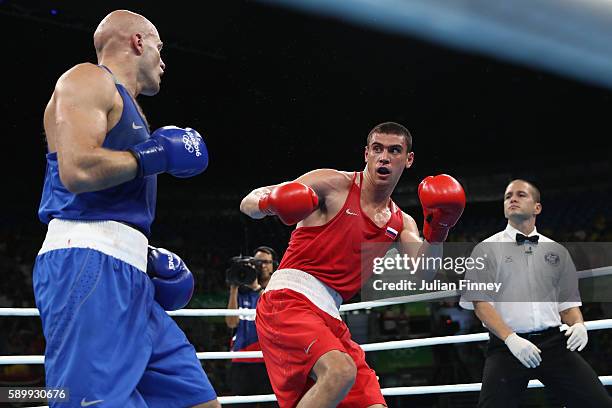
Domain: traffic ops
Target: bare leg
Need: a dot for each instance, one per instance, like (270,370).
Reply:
(210,404)
(335,374)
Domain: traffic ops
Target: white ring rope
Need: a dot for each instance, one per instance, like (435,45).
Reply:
(441,389)
(395,391)
(444,294)
(392,345)
(420,297)
(388,345)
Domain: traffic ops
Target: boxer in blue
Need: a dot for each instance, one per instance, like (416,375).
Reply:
(101,290)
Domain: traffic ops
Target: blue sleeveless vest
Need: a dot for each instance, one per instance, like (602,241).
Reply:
(132,202)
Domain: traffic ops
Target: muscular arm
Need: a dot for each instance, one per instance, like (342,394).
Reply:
(414,247)
(324,182)
(76,124)
(489,316)
(250,204)
(571,316)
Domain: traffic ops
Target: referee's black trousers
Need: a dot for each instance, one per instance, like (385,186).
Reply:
(565,372)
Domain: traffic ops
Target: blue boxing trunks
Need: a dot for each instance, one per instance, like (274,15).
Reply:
(108,342)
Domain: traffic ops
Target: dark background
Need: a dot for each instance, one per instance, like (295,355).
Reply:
(276,93)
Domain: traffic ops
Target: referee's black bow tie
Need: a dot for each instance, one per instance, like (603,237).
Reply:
(520,238)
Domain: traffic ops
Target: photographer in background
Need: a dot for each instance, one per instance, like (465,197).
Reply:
(248,277)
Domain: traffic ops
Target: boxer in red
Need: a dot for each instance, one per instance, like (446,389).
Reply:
(308,351)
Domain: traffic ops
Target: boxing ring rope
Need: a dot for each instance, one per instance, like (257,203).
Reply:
(391,345)
(388,345)
(395,391)
(420,297)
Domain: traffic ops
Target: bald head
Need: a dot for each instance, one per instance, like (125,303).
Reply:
(116,29)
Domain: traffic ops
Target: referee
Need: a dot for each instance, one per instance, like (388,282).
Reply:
(539,291)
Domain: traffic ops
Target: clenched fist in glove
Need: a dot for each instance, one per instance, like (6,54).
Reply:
(180,152)
(292,202)
(443,201)
(173,281)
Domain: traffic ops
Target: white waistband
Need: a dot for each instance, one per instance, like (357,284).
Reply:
(324,297)
(109,237)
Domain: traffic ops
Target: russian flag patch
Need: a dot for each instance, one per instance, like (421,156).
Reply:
(391,233)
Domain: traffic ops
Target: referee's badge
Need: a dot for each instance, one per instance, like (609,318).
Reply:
(552,258)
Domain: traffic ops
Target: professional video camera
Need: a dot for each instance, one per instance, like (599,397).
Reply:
(243,270)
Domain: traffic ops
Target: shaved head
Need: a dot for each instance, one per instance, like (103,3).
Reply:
(115,30)
(129,46)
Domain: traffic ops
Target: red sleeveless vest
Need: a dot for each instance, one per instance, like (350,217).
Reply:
(334,252)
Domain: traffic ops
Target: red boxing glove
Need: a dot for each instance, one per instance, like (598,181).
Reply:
(443,201)
(292,202)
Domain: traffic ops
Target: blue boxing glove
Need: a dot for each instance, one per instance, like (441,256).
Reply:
(170,149)
(173,281)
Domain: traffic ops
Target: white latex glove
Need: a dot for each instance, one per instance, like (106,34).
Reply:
(524,350)
(578,337)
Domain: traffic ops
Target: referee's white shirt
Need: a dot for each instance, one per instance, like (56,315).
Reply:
(526,316)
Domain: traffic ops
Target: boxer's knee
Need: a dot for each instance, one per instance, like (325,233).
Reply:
(336,370)
(210,404)
(345,373)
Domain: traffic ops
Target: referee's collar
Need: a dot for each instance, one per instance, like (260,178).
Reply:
(511,232)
